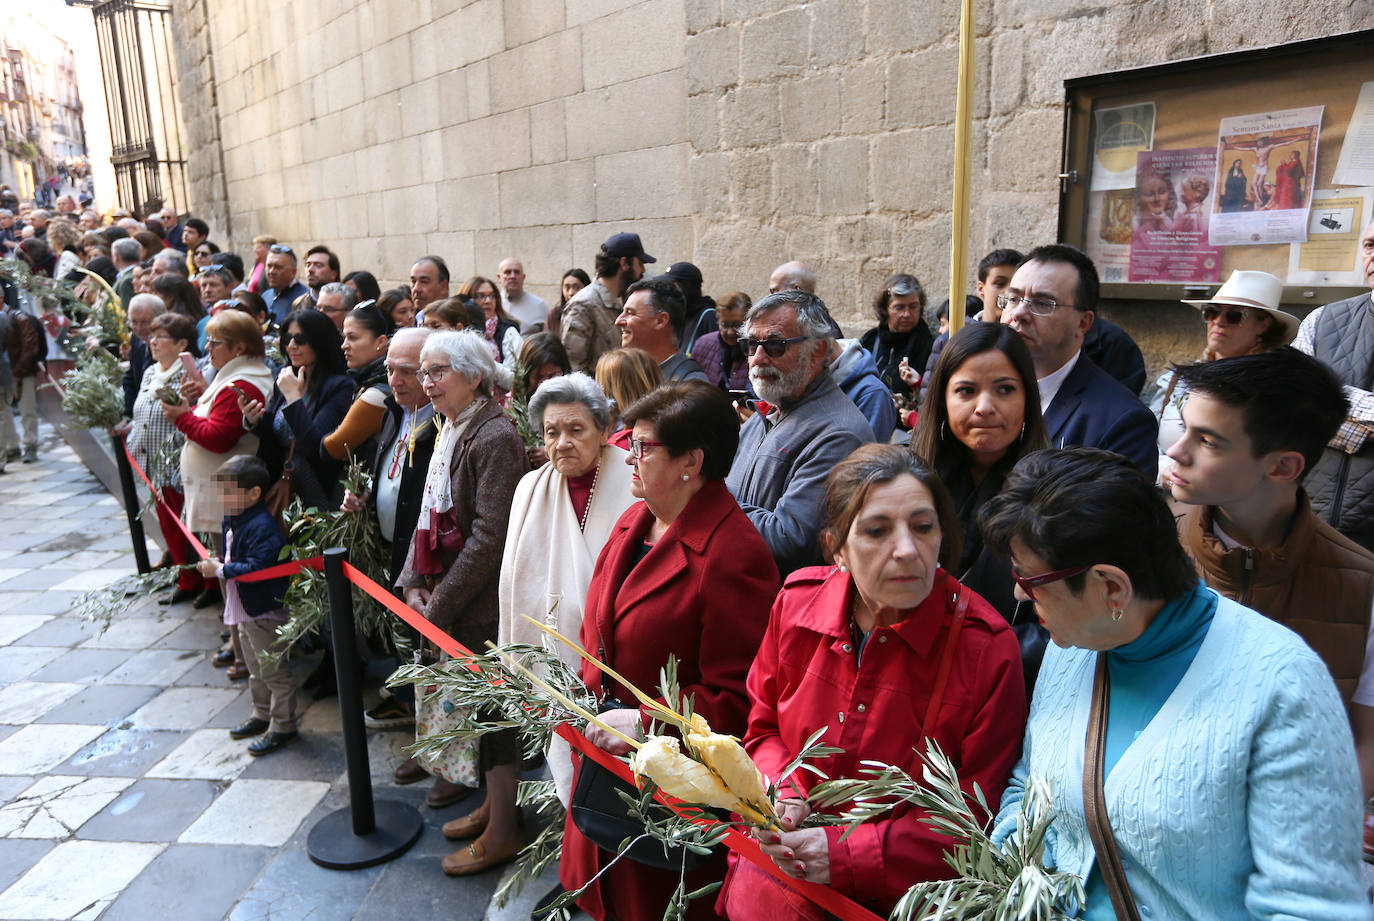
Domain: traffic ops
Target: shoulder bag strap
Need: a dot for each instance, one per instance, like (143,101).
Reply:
(937,696)
(1095,803)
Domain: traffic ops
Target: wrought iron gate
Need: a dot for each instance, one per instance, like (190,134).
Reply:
(136,62)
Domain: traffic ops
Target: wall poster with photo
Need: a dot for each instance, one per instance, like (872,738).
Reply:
(1265,163)
(1172,205)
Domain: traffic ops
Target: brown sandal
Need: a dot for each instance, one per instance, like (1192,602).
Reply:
(236,672)
(475,858)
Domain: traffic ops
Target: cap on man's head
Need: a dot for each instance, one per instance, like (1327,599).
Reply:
(626,246)
(684,273)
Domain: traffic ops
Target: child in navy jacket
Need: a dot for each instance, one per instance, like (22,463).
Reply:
(252,542)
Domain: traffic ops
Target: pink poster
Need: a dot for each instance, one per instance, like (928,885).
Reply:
(1173,203)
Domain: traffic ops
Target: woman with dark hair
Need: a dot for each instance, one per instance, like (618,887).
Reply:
(203,253)
(312,396)
(901,331)
(1197,754)
(37,256)
(365,283)
(891,641)
(180,295)
(981,416)
(1235,189)
(543,358)
(573,281)
(150,242)
(396,304)
(684,574)
(500,329)
(366,332)
(719,352)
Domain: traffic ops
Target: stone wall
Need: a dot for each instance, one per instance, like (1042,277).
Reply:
(735,133)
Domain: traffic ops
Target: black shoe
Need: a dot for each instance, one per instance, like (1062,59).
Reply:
(178,596)
(249,728)
(224,636)
(205,599)
(265,745)
(223,659)
(541,908)
(390,714)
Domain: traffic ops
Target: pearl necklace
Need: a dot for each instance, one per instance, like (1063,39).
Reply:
(591,493)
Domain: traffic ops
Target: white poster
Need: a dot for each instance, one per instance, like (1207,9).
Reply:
(1331,255)
(1119,134)
(1265,163)
(1355,165)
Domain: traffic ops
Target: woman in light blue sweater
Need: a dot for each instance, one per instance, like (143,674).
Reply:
(1229,770)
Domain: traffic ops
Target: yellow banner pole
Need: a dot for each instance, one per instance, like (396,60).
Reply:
(963,129)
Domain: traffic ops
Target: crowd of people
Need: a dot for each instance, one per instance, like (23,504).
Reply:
(983,538)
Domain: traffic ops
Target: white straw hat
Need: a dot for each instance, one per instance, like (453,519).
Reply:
(1258,290)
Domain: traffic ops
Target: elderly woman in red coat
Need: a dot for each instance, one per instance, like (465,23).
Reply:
(684,573)
(858,649)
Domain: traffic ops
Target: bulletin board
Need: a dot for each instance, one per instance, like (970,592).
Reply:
(1175,175)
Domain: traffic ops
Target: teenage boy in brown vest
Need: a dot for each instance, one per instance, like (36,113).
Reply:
(1254,425)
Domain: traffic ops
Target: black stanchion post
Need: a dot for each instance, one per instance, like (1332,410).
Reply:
(369,831)
(126,482)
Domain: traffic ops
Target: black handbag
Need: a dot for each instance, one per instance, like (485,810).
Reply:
(603,817)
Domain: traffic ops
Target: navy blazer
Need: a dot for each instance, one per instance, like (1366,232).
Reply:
(257,545)
(1095,410)
(1113,350)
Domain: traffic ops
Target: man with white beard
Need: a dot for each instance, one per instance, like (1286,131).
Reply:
(806,427)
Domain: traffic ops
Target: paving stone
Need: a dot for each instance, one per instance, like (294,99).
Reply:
(100,705)
(204,674)
(50,602)
(158,667)
(59,631)
(292,888)
(151,810)
(24,702)
(18,662)
(180,708)
(57,805)
(197,633)
(10,787)
(13,626)
(76,878)
(33,579)
(132,633)
(311,757)
(93,578)
(221,874)
(16,602)
(39,748)
(34,559)
(239,709)
(82,665)
(262,812)
(419,889)
(17,855)
(122,753)
(207,754)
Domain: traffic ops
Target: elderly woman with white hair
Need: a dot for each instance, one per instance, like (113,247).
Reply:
(450,574)
(561,518)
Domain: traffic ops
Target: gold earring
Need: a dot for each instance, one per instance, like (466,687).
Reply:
(1118,613)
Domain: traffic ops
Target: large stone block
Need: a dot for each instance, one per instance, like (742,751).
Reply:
(775,46)
(560,193)
(751,183)
(1075,47)
(740,10)
(794,179)
(345,83)
(863,95)
(479,89)
(420,107)
(1008,68)
(528,20)
(922,88)
(537,72)
(452,93)
(701,15)
(399,252)
(648,112)
(1020,220)
(386,67)
(811,107)
(470,33)
(910,170)
(583,11)
(338,38)
(741,254)
(837,32)
(470,204)
(489,145)
(842,166)
(709,178)
(649,183)
(751,116)
(713,59)
(412,209)
(703,121)
(657,27)
(432,169)
(385,122)
(543,250)
(1024,154)
(668,240)
(549,132)
(455,247)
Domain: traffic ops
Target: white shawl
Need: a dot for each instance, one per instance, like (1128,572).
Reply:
(204,511)
(549,557)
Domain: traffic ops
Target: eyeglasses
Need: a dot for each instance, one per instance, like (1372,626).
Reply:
(638,445)
(1030,583)
(281,248)
(1230,316)
(435,374)
(213,343)
(773,347)
(1040,306)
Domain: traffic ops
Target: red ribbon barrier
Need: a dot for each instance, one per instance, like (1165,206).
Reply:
(842,907)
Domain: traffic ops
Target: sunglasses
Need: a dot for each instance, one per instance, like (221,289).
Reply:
(1230,316)
(279,248)
(297,339)
(772,347)
(1030,583)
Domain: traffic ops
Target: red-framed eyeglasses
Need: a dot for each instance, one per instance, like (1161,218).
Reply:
(1030,583)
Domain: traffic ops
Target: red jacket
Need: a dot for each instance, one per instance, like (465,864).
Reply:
(222,429)
(701,594)
(806,676)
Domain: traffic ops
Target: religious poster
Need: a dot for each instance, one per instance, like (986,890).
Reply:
(1171,208)
(1265,163)
(1109,232)
(1355,165)
(1331,255)
(1119,134)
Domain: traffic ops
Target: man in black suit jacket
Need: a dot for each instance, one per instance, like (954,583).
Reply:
(1051,303)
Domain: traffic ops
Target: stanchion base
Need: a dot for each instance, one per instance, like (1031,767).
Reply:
(333,845)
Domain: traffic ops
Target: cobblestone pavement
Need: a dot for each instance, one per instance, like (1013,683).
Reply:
(122,795)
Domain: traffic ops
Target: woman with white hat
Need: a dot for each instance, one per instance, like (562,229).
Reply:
(1242,318)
